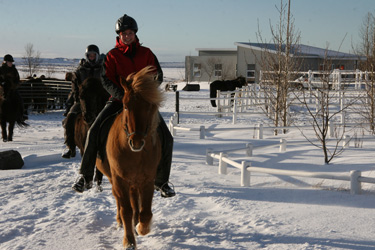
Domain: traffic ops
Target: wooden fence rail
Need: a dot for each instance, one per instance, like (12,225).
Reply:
(49,94)
(354,176)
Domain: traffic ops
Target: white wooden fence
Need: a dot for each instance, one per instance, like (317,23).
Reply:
(259,129)
(246,169)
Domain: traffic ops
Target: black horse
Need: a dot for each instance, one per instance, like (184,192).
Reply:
(11,110)
(227,85)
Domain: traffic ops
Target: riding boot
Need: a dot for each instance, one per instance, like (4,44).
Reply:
(164,167)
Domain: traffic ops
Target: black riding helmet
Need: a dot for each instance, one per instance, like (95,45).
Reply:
(8,58)
(92,48)
(126,22)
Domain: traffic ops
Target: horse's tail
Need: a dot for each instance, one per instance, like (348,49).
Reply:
(21,123)
(213,94)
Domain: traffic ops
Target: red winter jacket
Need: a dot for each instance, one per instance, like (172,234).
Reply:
(124,60)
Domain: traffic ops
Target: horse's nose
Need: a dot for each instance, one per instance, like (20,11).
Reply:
(136,145)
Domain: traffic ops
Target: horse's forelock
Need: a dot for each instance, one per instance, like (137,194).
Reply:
(145,85)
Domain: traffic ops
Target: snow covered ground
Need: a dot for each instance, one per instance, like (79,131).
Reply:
(39,210)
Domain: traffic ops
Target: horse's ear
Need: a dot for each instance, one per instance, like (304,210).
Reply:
(124,83)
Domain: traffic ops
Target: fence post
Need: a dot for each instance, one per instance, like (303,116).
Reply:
(282,145)
(249,149)
(202,131)
(330,129)
(346,141)
(355,184)
(260,131)
(218,104)
(234,109)
(178,106)
(209,159)
(171,127)
(343,115)
(222,164)
(245,175)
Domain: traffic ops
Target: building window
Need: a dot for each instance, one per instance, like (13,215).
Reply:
(218,69)
(197,70)
(250,73)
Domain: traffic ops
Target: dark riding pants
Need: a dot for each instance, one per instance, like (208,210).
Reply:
(91,148)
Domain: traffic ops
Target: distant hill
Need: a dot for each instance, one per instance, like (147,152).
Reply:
(60,61)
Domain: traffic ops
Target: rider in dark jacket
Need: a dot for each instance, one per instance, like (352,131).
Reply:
(10,78)
(91,67)
(127,57)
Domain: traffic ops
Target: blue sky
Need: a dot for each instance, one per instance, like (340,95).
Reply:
(173,29)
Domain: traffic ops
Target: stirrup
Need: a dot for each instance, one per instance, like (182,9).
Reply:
(162,191)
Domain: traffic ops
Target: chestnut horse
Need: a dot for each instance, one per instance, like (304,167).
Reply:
(93,98)
(133,153)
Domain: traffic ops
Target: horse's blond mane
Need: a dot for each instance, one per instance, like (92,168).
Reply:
(145,85)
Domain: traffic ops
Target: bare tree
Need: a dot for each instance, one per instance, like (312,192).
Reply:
(50,70)
(32,59)
(209,66)
(329,106)
(280,65)
(366,49)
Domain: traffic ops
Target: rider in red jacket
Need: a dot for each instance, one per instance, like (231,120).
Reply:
(127,57)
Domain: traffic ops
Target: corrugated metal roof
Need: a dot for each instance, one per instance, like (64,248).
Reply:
(301,50)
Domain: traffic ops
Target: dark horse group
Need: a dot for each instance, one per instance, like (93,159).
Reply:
(225,85)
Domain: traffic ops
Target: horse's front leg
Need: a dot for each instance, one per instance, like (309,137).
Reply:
(134,201)
(124,212)
(145,215)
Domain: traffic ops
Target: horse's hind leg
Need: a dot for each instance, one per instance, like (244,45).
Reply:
(98,179)
(10,130)
(145,215)
(4,131)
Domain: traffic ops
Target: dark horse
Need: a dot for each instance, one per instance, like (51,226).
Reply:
(133,151)
(93,98)
(227,85)
(11,110)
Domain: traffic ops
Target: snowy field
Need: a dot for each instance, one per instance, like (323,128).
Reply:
(39,210)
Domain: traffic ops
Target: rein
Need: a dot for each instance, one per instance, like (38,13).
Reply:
(126,129)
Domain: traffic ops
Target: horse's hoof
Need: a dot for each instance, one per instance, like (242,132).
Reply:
(99,189)
(130,247)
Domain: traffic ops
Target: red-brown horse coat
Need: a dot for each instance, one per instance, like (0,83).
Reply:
(132,171)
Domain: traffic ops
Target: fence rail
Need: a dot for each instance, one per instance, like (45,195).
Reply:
(354,176)
(45,94)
